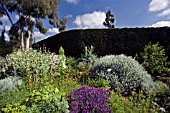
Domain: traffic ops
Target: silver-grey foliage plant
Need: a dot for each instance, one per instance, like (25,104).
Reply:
(9,83)
(123,72)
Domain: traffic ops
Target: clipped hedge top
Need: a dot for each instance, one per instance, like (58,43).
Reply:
(127,41)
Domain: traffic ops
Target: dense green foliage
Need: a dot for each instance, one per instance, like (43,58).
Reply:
(123,72)
(47,100)
(12,97)
(128,41)
(154,58)
(88,55)
(16,108)
(109,20)
(23,27)
(46,85)
(31,63)
(137,103)
(8,48)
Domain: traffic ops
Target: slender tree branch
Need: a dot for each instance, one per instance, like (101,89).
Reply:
(7,14)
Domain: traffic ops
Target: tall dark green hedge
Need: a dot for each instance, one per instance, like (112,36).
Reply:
(128,41)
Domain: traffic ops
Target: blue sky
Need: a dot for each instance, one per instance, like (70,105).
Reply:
(91,14)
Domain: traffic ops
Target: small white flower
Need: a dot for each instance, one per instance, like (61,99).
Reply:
(154,103)
(56,90)
(162,109)
(108,70)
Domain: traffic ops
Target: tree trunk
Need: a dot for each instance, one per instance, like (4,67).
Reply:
(27,41)
(22,40)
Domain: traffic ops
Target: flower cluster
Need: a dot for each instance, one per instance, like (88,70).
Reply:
(89,100)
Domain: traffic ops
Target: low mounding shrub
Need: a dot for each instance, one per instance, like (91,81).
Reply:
(15,108)
(88,100)
(124,73)
(31,62)
(9,83)
(47,100)
(137,103)
(154,58)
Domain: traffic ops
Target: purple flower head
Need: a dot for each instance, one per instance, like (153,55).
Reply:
(88,99)
(74,105)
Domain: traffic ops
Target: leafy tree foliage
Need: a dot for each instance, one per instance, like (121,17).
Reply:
(109,20)
(30,13)
(155,59)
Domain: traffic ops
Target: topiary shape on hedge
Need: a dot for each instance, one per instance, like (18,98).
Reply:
(123,72)
(88,99)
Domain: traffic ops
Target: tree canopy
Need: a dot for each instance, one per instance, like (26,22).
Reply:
(109,20)
(30,13)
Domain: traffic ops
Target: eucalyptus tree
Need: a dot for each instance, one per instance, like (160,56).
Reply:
(30,13)
(109,20)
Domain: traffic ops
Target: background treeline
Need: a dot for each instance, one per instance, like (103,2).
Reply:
(128,41)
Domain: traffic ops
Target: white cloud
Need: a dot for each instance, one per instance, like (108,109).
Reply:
(16,17)
(161,24)
(5,18)
(72,1)
(53,31)
(157,5)
(165,13)
(69,16)
(7,28)
(39,36)
(93,20)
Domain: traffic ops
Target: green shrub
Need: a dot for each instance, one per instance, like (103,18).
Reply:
(154,58)
(88,55)
(15,108)
(66,85)
(161,87)
(123,72)
(8,47)
(87,59)
(12,97)
(62,57)
(47,100)
(99,83)
(32,63)
(2,67)
(2,61)
(71,62)
(137,103)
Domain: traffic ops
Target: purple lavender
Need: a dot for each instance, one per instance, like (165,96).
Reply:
(89,100)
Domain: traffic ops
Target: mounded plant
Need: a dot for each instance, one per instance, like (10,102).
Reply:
(137,103)
(31,63)
(123,72)
(88,100)
(47,99)
(9,83)
(13,108)
(155,59)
